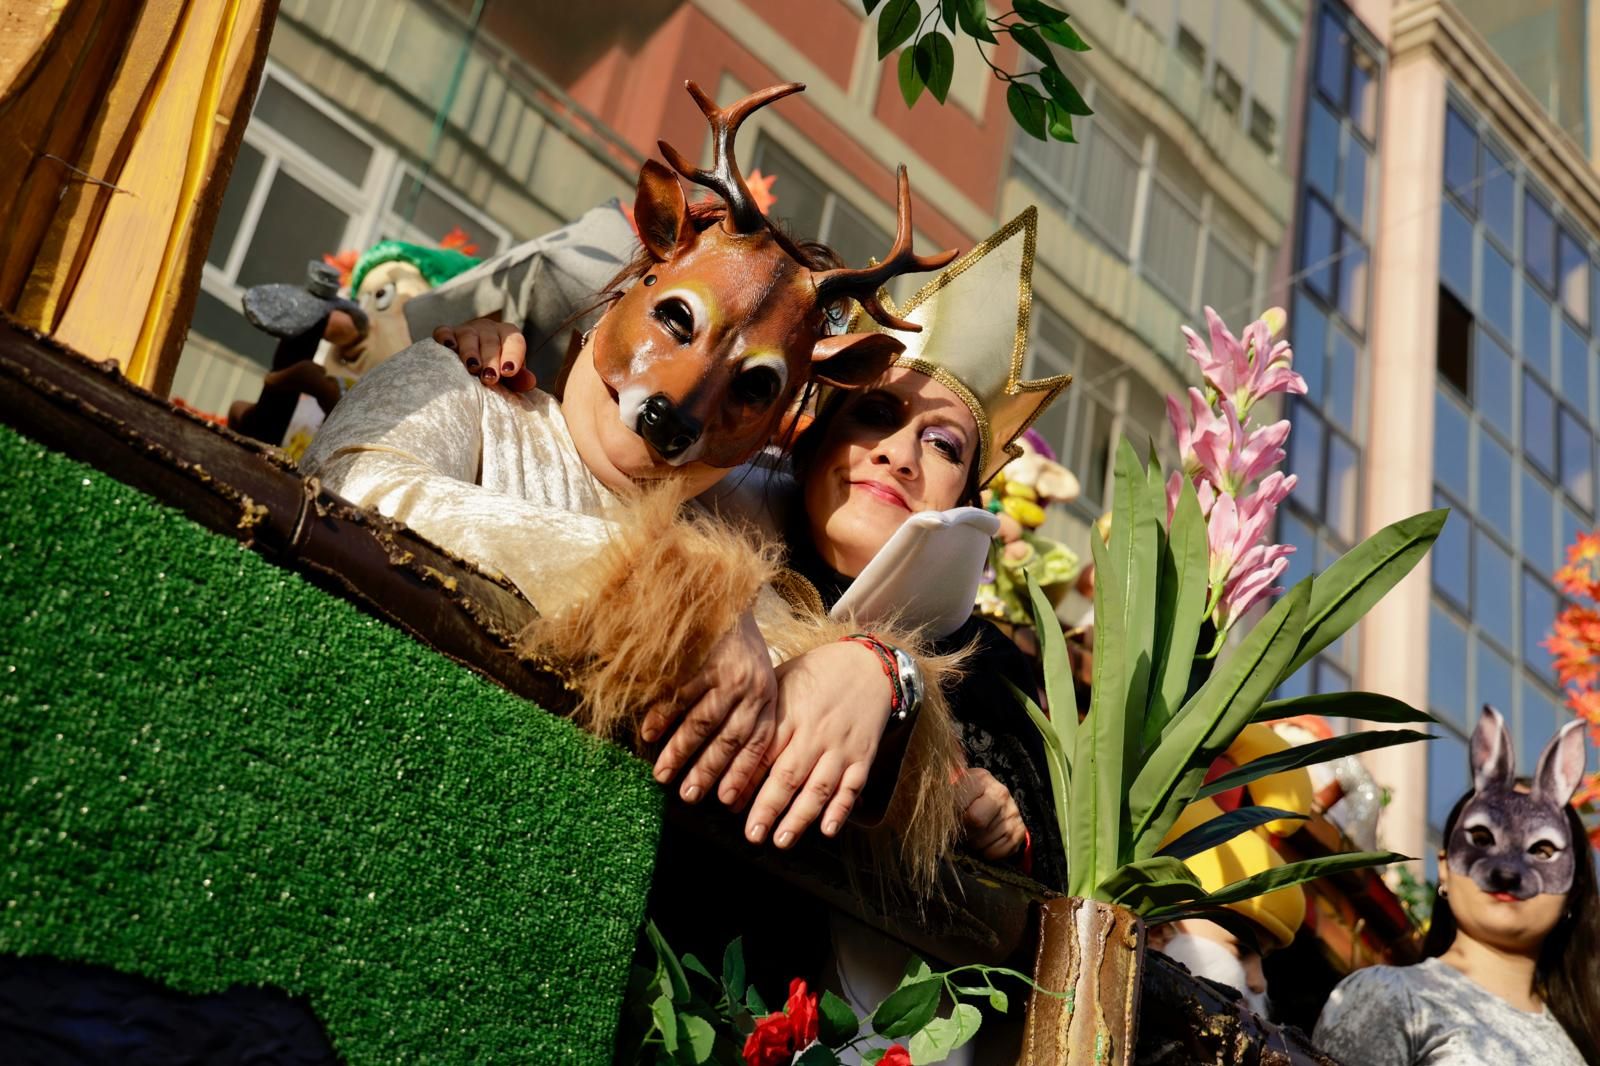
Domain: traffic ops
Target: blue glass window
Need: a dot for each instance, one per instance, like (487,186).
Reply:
(1447,654)
(1455,251)
(1310,327)
(1499,197)
(1538,522)
(1572,523)
(1448,778)
(1538,424)
(1577,458)
(1321,246)
(1354,198)
(1461,158)
(1574,277)
(1574,367)
(1538,240)
(1305,457)
(1491,381)
(1541,717)
(1353,281)
(1497,288)
(1329,678)
(1494,484)
(1496,679)
(1343,482)
(1493,590)
(1333,58)
(1451,446)
(1451,555)
(1539,607)
(1322,148)
(1536,334)
(1304,557)
(1341,400)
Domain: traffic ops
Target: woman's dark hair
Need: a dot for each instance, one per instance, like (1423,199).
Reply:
(1568,972)
(802,447)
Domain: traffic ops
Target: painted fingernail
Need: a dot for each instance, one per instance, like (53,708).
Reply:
(472,364)
(756,833)
(449,342)
(691,794)
(489,376)
(831,828)
(508,369)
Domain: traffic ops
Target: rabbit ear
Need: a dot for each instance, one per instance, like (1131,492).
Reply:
(1561,766)
(1493,763)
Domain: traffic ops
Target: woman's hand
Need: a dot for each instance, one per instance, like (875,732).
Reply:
(491,351)
(990,817)
(833,704)
(730,721)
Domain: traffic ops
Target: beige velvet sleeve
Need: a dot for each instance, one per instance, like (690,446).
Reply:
(410,442)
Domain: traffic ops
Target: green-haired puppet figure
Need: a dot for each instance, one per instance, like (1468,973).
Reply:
(383,279)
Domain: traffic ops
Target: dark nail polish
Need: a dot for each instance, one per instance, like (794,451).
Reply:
(472,365)
(508,369)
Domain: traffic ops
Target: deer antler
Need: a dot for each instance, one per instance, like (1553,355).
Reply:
(863,284)
(724,178)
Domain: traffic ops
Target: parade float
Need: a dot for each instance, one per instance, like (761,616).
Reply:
(260,739)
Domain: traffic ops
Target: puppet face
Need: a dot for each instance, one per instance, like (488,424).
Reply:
(1515,845)
(385,291)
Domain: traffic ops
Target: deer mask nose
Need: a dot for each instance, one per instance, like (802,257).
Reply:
(1505,878)
(666,429)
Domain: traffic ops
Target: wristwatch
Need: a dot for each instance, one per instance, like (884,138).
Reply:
(911,686)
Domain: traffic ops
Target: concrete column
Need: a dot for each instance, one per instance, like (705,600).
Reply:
(1398,457)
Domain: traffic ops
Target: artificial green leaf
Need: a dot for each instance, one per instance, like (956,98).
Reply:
(1211,720)
(696,1037)
(836,1020)
(896,25)
(1360,706)
(910,81)
(1348,589)
(1309,754)
(1029,39)
(1059,124)
(873,1056)
(1222,829)
(1180,611)
(1296,873)
(1084,815)
(1056,663)
(666,1020)
(943,1035)
(1028,108)
(1038,11)
(674,970)
(997,1000)
(1064,92)
(917,970)
(753,1000)
(695,966)
(817,1055)
(950,11)
(941,63)
(974,18)
(1148,883)
(1064,35)
(733,969)
(1056,764)
(907,1009)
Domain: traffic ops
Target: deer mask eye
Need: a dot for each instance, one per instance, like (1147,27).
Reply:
(1480,837)
(757,387)
(675,316)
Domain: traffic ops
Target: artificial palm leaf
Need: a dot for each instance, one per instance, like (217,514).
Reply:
(1180,612)
(1295,873)
(1360,706)
(1223,828)
(1308,755)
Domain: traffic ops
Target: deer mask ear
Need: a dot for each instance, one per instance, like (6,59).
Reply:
(851,360)
(1492,760)
(1561,766)
(661,213)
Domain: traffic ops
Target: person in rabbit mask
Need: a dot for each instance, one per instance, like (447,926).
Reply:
(1512,966)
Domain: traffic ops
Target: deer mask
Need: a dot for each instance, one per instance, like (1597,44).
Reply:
(708,349)
(1519,843)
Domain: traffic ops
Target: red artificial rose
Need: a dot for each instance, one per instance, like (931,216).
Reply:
(772,1042)
(896,1056)
(802,1011)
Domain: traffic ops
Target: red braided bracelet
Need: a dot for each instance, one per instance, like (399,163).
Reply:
(885,660)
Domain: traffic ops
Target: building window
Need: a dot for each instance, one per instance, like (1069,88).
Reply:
(813,210)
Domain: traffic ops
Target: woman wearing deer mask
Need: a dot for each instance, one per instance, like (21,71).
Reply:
(1512,972)
(684,378)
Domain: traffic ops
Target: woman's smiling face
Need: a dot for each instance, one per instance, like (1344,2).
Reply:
(907,444)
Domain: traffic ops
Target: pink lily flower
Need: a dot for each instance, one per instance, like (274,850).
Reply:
(1203,490)
(1232,462)
(1250,586)
(1204,429)
(1248,369)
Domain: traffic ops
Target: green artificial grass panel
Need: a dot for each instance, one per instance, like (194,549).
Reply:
(214,773)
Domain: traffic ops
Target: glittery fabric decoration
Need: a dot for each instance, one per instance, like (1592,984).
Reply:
(213,773)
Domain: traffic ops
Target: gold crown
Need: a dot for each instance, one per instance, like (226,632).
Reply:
(974,338)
